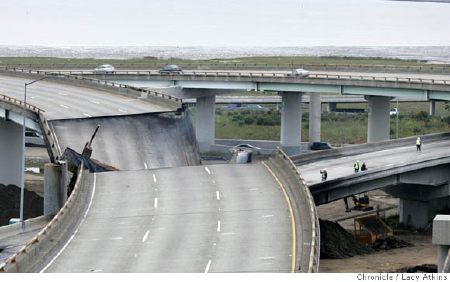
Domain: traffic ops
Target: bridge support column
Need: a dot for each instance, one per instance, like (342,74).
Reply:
(205,122)
(379,125)
(55,187)
(11,163)
(291,121)
(315,110)
(432,108)
(331,107)
(441,229)
(419,213)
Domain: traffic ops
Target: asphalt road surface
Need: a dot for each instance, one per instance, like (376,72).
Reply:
(343,166)
(215,218)
(133,142)
(61,101)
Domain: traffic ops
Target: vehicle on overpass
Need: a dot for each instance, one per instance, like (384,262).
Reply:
(104,69)
(171,69)
(34,138)
(299,72)
(320,146)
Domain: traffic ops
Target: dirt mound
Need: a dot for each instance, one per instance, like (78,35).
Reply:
(337,243)
(10,204)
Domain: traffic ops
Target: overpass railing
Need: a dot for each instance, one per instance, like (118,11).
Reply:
(49,138)
(299,194)
(36,252)
(75,76)
(250,66)
(267,74)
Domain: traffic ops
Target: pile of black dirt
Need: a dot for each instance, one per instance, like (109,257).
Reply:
(10,204)
(337,243)
(390,243)
(423,268)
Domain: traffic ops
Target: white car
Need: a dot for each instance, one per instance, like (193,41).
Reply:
(104,69)
(246,146)
(300,72)
(394,112)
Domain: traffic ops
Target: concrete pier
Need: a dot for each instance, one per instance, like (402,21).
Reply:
(378,124)
(441,231)
(315,111)
(11,155)
(432,110)
(55,187)
(205,122)
(291,122)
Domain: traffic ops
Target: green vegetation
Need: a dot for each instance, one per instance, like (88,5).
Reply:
(336,128)
(269,61)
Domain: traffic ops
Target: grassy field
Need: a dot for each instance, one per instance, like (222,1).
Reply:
(336,128)
(295,60)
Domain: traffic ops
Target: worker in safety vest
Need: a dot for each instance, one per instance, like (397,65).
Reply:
(418,144)
(356,166)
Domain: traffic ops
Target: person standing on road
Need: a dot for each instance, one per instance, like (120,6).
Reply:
(363,167)
(356,166)
(418,144)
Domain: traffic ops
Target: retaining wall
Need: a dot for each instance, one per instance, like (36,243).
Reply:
(305,213)
(39,250)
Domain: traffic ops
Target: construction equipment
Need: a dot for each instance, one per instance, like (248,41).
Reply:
(361,203)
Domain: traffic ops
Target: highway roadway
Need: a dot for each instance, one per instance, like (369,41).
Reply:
(61,101)
(215,218)
(133,142)
(388,158)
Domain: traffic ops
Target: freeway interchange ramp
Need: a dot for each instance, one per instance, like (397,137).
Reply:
(218,218)
(136,142)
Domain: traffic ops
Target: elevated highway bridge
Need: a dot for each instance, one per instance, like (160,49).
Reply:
(217,182)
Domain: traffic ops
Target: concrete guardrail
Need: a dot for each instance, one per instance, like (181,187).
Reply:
(33,256)
(366,148)
(305,212)
(251,66)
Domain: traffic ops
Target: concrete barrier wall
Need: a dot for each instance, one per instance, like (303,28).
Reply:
(165,100)
(248,66)
(39,250)
(366,148)
(305,213)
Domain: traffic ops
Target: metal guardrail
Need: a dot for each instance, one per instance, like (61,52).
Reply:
(21,261)
(315,228)
(74,76)
(266,75)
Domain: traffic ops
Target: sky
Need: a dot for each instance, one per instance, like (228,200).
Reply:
(224,23)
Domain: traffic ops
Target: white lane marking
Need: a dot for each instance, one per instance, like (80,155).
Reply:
(145,165)
(156,203)
(266,257)
(218,226)
(207,266)
(207,170)
(265,216)
(94,101)
(218,195)
(145,236)
(32,97)
(76,230)
(116,238)
(122,110)
(154,178)
(88,115)
(64,106)
(390,165)
(228,233)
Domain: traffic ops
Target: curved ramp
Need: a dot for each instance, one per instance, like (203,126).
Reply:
(219,218)
(133,142)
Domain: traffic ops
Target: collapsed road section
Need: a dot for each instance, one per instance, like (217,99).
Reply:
(133,142)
